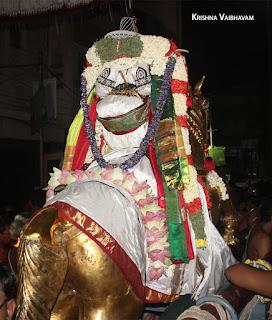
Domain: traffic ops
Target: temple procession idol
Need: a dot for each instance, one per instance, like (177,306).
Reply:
(129,217)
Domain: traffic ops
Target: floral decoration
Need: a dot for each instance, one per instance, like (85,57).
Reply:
(155,52)
(207,196)
(215,181)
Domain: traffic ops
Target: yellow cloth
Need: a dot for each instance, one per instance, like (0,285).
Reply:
(73,134)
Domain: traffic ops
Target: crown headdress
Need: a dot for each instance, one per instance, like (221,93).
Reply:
(127,29)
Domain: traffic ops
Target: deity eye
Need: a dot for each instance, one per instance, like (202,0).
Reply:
(143,80)
(105,73)
(141,73)
(105,82)
(104,79)
(142,77)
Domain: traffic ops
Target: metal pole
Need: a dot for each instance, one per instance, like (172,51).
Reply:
(211,138)
(210,126)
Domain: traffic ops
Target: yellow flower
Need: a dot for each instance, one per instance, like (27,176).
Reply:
(201,243)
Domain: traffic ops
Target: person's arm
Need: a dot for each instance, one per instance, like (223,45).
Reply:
(256,280)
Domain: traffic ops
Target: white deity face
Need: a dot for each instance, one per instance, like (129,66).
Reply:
(138,76)
(113,102)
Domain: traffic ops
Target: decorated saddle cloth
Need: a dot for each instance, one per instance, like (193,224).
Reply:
(113,218)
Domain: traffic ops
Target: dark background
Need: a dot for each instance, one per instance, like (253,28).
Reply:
(235,57)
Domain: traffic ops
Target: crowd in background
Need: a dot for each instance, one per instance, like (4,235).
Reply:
(12,221)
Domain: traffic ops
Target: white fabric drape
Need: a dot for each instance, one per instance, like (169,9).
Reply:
(122,223)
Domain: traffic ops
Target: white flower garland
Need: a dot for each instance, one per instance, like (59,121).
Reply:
(191,190)
(186,141)
(215,181)
(180,104)
(180,71)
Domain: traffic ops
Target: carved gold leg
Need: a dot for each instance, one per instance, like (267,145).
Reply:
(65,275)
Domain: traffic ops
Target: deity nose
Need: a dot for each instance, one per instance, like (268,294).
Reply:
(124,88)
(121,78)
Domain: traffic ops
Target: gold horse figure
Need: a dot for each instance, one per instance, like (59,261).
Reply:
(66,275)
(73,264)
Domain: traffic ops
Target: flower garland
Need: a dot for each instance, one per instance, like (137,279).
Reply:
(207,196)
(152,215)
(100,142)
(156,52)
(180,90)
(215,181)
(152,128)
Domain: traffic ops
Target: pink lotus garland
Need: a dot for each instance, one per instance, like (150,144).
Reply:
(152,215)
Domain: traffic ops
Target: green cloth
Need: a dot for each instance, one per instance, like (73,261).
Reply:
(176,231)
(178,168)
(218,155)
(129,121)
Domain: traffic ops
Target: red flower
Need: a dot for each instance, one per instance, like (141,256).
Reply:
(179,86)
(190,160)
(173,47)
(88,63)
(183,121)
(194,206)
